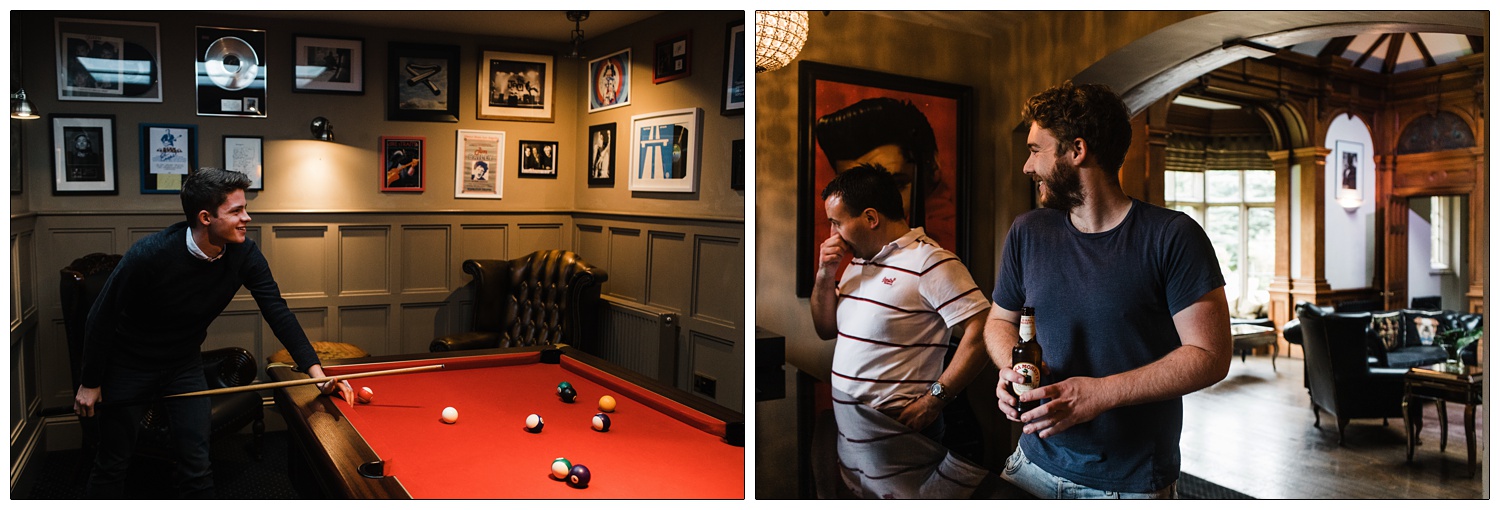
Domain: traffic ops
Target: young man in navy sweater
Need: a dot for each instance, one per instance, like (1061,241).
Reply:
(146,330)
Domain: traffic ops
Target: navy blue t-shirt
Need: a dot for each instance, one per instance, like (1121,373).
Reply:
(1104,305)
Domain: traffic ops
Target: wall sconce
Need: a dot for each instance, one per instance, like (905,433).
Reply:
(779,36)
(20,107)
(322,129)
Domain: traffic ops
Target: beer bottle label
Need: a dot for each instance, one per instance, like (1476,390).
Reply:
(1031,372)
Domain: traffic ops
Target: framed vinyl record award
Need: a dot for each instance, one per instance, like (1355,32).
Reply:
(231,77)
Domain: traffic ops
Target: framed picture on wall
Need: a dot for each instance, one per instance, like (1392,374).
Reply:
(664,150)
(232,72)
(1348,156)
(538,159)
(328,65)
(99,60)
(479,171)
(674,58)
(244,154)
(169,152)
(732,100)
(826,143)
(423,83)
(601,156)
(83,155)
(609,81)
(515,86)
(402,164)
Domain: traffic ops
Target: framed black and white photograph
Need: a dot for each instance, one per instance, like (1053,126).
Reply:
(601,155)
(423,83)
(674,58)
(538,159)
(733,98)
(402,163)
(83,155)
(479,171)
(169,152)
(664,150)
(246,155)
(515,86)
(609,81)
(231,75)
(1348,157)
(100,60)
(328,65)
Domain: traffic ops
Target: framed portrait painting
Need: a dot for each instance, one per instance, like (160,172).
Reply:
(841,115)
(402,164)
(245,154)
(423,83)
(479,171)
(515,86)
(665,150)
(609,81)
(538,159)
(601,155)
(732,100)
(169,152)
(328,65)
(674,58)
(83,155)
(100,60)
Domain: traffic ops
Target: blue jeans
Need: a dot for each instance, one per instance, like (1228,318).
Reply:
(187,418)
(1029,477)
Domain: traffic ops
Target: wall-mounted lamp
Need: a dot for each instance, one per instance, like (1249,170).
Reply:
(322,129)
(779,36)
(20,107)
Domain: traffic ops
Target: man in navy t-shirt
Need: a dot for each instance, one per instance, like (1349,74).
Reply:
(1130,311)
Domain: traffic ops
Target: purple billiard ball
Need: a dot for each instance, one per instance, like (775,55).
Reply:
(579,476)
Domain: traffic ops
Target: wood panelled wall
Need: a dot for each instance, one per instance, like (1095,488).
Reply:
(390,283)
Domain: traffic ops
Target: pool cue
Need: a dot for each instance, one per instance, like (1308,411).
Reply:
(274,385)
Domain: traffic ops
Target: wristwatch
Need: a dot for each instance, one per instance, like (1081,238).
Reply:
(938,391)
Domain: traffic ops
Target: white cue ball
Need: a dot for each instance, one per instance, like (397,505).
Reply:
(450,415)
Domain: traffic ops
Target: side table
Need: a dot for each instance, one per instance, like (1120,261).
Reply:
(1443,382)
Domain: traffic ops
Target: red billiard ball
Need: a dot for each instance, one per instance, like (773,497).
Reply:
(579,476)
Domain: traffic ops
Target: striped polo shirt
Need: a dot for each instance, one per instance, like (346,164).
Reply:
(894,313)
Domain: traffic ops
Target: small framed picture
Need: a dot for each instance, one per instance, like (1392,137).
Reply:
(515,86)
(664,150)
(601,156)
(538,159)
(423,83)
(480,168)
(100,60)
(733,99)
(674,58)
(328,65)
(83,155)
(244,154)
(401,164)
(609,81)
(169,152)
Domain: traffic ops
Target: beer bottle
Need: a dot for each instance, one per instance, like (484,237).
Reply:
(1026,359)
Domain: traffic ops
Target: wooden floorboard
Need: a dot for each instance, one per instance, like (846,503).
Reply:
(1253,433)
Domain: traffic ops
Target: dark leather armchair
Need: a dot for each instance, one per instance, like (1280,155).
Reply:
(1339,377)
(231,366)
(544,298)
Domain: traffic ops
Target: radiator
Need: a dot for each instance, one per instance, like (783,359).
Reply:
(642,338)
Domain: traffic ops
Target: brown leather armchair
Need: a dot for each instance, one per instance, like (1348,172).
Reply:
(81,283)
(1340,380)
(544,298)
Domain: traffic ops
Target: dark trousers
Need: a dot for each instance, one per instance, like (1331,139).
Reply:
(188,419)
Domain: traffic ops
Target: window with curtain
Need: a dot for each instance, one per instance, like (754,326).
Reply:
(1226,184)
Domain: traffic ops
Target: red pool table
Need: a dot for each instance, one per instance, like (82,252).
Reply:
(663,443)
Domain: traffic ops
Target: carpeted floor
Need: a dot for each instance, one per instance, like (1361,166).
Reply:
(237,475)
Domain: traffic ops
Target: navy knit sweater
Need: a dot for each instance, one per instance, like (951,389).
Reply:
(154,311)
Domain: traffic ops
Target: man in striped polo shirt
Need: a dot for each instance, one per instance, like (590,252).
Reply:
(892,307)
